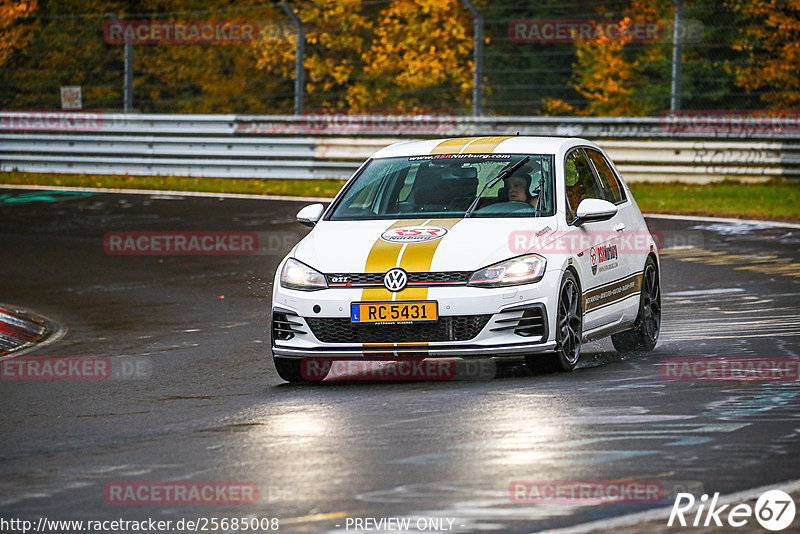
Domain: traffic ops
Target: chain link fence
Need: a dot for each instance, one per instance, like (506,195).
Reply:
(587,58)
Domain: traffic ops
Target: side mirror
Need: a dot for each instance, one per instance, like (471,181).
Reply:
(310,215)
(594,209)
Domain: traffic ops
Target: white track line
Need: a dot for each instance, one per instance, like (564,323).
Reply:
(663,513)
(780,224)
(161,192)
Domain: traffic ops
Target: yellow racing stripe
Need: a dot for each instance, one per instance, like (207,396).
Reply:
(383,257)
(485,145)
(452,146)
(417,258)
(412,257)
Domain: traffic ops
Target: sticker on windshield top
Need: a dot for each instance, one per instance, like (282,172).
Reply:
(413,234)
(460,156)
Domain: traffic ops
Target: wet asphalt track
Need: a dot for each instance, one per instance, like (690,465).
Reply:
(211,407)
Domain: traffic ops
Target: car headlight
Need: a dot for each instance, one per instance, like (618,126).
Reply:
(520,270)
(297,275)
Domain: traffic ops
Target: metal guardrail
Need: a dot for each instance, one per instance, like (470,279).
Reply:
(333,146)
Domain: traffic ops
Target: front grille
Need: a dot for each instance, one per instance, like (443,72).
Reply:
(419,279)
(532,322)
(438,277)
(341,330)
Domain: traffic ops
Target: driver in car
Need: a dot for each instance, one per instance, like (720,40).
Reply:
(518,186)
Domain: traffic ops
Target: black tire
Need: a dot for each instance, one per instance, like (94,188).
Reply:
(569,331)
(290,369)
(644,335)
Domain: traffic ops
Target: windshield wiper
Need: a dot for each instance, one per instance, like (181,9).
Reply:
(542,198)
(505,173)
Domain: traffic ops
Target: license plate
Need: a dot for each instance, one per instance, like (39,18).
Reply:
(393,312)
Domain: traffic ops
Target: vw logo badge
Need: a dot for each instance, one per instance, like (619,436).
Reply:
(395,280)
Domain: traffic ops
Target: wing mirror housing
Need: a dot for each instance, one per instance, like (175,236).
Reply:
(594,209)
(310,215)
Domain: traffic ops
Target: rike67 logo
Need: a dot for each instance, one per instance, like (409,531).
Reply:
(774,510)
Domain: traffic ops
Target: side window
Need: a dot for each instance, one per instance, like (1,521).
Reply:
(612,191)
(580,181)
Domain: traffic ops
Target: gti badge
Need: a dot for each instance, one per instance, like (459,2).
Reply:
(395,280)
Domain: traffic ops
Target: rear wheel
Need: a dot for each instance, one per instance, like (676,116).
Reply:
(569,330)
(291,370)
(644,335)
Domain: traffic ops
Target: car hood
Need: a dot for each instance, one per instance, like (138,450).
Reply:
(461,244)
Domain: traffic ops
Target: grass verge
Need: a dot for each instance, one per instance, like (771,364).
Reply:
(776,199)
(301,188)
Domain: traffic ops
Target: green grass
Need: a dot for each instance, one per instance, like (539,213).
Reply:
(302,188)
(776,199)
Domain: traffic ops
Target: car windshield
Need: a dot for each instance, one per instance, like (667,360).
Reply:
(446,185)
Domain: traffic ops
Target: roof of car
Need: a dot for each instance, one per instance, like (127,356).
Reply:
(481,145)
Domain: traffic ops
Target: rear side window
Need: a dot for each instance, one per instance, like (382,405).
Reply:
(612,191)
(580,181)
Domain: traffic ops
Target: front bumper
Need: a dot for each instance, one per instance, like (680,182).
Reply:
(504,332)
(423,351)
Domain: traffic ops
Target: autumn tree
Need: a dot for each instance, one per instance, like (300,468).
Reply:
(13,34)
(336,33)
(65,47)
(771,42)
(68,48)
(210,77)
(615,74)
(420,57)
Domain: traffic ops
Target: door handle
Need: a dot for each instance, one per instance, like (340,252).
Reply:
(619,227)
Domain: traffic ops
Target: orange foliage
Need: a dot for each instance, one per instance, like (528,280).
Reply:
(12,35)
(357,61)
(773,44)
(334,40)
(612,82)
(418,45)
(603,74)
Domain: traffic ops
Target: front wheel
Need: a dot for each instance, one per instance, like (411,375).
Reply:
(644,335)
(569,331)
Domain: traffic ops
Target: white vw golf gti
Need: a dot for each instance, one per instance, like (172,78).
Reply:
(470,247)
